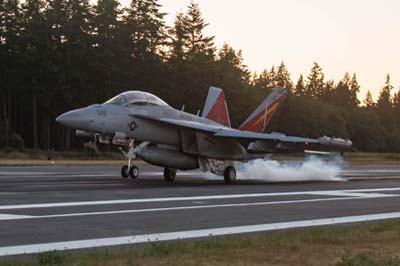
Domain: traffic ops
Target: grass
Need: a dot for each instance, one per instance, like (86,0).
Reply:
(360,157)
(366,244)
(44,158)
(88,162)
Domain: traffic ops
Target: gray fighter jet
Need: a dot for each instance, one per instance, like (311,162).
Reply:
(174,139)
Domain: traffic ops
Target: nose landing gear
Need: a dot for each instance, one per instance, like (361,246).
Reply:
(132,170)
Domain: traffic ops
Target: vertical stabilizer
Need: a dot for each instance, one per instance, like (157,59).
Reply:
(216,108)
(259,119)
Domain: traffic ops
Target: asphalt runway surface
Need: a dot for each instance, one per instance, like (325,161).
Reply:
(71,207)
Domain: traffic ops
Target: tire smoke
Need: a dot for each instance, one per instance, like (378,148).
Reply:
(313,169)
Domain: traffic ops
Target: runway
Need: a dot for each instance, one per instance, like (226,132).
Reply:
(60,207)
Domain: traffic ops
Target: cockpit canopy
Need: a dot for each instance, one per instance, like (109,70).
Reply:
(132,98)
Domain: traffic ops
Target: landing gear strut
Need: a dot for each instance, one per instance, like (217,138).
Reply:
(169,174)
(130,169)
(230,175)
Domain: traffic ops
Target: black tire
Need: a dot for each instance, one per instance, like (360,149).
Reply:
(134,172)
(169,174)
(230,175)
(125,171)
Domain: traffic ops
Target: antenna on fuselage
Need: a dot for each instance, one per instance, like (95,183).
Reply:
(183,108)
(198,112)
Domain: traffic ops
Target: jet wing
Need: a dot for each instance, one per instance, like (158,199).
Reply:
(259,142)
(277,142)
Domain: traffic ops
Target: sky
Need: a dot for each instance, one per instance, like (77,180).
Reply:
(361,36)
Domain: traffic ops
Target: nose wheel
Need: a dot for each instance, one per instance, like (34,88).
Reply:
(125,171)
(132,170)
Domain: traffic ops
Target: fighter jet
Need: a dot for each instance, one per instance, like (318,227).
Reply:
(163,136)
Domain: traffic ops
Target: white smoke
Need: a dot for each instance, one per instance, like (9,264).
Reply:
(313,169)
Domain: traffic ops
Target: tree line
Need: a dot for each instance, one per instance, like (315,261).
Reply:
(57,55)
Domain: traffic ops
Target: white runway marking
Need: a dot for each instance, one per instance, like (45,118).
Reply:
(146,238)
(194,207)
(27,173)
(6,175)
(344,193)
(12,217)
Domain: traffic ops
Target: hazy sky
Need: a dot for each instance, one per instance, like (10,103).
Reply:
(355,35)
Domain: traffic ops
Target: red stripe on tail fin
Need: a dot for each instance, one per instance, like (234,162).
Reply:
(259,119)
(216,108)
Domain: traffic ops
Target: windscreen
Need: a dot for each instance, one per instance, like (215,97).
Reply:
(136,98)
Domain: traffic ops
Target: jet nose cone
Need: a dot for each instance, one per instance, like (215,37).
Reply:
(60,119)
(75,119)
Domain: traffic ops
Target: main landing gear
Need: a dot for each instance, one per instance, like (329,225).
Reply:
(169,174)
(230,175)
(132,170)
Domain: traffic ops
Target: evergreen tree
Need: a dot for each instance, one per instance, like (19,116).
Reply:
(79,51)
(396,100)
(10,22)
(3,21)
(193,55)
(354,89)
(329,92)
(194,25)
(315,83)
(188,40)
(345,93)
(368,101)
(146,27)
(3,114)
(396,106)
(56,18)
(385,105)
(385,99)
(300,87)
(178,38)
(57,55)
(227,56)
(234,77)
(36,48)
(283,79)
(108,44)
(266,81)
(261,81)
(272,76)
(341,96)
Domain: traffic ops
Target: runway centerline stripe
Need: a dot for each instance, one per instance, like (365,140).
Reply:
(343,193)
(193,207)
(146,238)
